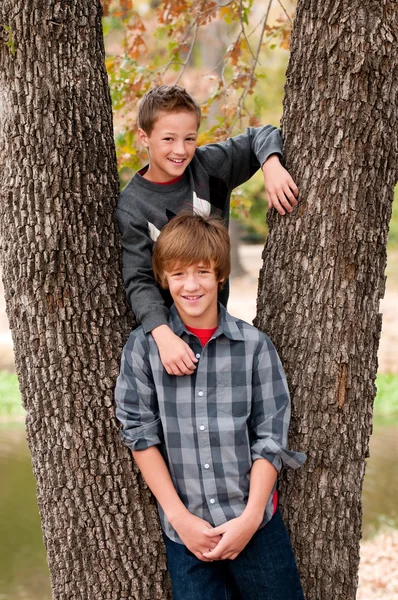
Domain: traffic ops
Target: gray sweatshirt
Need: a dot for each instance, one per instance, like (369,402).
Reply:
(205,188)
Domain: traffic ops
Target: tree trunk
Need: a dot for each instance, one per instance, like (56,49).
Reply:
(323,273)
(65,301)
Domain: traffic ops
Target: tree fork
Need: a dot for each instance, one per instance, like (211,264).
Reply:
(323,272)
(65,301)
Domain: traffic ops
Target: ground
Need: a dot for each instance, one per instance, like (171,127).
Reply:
(378,574)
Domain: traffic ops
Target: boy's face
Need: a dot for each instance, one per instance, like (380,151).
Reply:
(171,145)
(194,290)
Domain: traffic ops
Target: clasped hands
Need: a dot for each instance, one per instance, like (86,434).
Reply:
(209,543)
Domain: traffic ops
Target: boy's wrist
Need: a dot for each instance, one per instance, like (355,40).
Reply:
(252,518)
(271,159)
(160,332)
(176,516)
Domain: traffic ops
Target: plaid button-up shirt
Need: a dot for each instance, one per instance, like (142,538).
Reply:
(210,426)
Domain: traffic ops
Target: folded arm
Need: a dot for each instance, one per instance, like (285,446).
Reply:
(239,157)
(146,299)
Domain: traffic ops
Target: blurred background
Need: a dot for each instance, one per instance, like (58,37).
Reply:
(151,45)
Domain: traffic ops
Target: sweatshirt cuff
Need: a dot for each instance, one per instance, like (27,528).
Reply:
(158,316)
(274,146)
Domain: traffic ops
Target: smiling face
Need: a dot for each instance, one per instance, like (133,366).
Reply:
(194,290)
(171,145)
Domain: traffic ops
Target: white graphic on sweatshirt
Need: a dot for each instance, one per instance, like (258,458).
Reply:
(153,232)
(201,207)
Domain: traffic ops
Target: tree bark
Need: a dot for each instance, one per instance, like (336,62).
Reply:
(65,301)
(323,272)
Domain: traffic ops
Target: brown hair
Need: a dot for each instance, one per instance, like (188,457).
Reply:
(192,239)
(167,98)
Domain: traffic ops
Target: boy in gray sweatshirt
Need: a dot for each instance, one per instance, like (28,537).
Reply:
(181,176)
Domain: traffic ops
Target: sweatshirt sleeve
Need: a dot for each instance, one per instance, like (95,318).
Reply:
(238,158)
(143,294)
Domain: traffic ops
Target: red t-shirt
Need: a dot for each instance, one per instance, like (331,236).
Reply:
(203,334)
(145,169)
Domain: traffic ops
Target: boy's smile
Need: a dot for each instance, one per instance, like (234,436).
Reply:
(171,145)
(194,290)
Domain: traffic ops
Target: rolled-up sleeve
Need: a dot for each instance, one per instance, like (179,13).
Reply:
(136,399)
(270,415)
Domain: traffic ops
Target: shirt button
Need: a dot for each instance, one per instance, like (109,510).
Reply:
(202,428)
(212,501)
(197,355)
(207,466)
(200,393)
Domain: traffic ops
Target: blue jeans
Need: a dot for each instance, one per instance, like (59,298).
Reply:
(264,570)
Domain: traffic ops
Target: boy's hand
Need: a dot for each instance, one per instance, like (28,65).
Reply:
(176,356)
(236,534)
(191,531)
(279,186)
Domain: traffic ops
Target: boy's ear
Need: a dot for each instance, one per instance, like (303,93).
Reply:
(142,138)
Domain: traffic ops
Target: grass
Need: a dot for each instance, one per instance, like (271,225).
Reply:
(386,402)
(10,398)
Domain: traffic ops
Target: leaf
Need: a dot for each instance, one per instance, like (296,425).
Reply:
(166,47)
(105,7)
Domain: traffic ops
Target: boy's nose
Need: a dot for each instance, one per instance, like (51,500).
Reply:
(179,147)
(191,284)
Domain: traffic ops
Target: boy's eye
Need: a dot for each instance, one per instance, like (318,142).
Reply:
(191,139)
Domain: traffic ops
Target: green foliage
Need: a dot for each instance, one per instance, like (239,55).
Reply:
(10,397)
(154,43)
(148,46)
(386,402)
(10,38)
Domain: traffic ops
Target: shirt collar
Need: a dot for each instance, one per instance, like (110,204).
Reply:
(227,324)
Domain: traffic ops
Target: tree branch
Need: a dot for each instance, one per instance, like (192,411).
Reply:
(252,71)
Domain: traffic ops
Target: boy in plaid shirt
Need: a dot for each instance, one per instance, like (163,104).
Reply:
(210,444)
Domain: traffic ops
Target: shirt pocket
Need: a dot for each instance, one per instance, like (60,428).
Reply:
(232,400)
